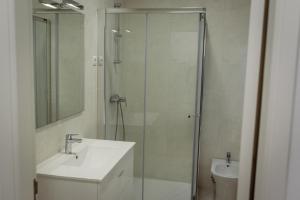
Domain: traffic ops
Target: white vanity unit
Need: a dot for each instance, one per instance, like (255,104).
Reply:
(99,170)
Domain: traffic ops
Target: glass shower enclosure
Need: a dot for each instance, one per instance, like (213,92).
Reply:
(153,88)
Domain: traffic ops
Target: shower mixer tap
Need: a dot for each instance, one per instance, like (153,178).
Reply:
(114,98)
(123,100)
(117,99)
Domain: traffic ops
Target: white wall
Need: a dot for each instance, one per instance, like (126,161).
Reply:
(25,98)
(49,139)
(7,176)
(293,192)
(16,104)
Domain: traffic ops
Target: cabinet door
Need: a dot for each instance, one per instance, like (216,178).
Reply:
(118,185)
(58,189)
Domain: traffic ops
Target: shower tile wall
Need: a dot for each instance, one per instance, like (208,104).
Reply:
(224,77)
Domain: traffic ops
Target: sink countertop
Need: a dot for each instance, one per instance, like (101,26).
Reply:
(96,158)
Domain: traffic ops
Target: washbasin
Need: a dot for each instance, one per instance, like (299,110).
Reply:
(91,170)
(91,157)
(90,160)
(221,168)
(77,159)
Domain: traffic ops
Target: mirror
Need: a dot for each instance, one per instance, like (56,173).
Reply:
(58,40)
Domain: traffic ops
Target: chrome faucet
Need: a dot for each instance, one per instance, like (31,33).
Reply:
(68,142)
(228,158)
(117,99)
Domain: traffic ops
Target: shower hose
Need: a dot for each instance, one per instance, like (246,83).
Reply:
(119,107)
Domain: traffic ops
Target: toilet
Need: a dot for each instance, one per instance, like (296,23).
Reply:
(224,176)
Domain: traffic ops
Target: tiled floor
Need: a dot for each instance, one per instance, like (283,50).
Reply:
(156,189)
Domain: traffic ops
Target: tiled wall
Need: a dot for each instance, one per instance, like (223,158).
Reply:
(224,77)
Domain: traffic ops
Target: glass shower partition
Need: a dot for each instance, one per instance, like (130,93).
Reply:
(125,77)
(153,78)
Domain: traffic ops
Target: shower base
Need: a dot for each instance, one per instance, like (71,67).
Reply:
(162,190)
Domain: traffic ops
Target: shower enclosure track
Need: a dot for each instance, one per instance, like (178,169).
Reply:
(186,10)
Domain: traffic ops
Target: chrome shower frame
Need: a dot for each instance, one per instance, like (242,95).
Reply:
(184,10)
(202,32)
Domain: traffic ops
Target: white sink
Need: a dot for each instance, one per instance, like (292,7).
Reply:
(98,170)
(94,159)
(220,168)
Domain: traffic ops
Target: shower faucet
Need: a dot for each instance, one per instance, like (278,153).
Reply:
(117,99)
(68,142)
(122,99)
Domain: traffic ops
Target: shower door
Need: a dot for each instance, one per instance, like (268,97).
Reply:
(171,88)
(125,41)
(154,62)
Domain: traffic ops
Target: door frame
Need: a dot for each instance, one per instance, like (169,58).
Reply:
(278,150)
(7,173)
(17,104)
(252,98)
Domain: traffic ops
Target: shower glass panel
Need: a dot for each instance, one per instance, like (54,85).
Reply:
(125,78)
(170,105)
(153,67)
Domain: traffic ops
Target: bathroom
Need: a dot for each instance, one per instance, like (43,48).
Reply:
(144,99)
(163,152)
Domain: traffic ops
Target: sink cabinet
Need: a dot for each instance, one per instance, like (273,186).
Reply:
(115,185)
